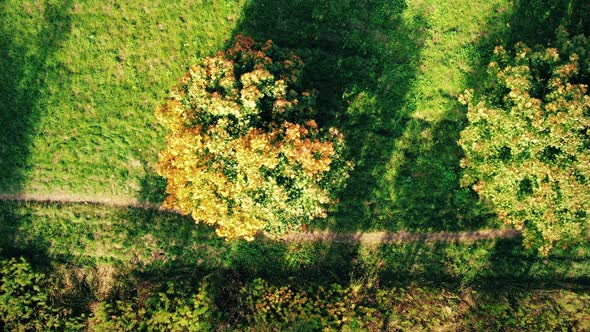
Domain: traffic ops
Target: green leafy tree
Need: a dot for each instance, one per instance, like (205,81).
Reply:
(526,145)
(243,152)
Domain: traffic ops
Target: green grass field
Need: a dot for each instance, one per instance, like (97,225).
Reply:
(79,82)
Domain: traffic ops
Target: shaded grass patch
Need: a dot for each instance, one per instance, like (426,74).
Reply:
(167,245)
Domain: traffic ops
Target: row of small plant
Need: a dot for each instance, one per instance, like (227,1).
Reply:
(411,307)
(27,304)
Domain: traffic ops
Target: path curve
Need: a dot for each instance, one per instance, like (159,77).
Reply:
(369,238)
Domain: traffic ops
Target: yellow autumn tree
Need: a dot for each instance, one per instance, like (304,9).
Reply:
(527,145)
(243,152)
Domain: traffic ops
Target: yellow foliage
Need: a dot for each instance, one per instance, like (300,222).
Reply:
(526,146)
(235,165)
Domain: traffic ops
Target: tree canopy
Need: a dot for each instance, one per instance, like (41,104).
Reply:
(526,145)
(244,152)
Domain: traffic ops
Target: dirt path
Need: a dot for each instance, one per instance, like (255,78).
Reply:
(400,237)
(59,197)
(369,238)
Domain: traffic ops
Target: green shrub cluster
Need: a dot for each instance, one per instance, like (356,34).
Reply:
(536,311)
(331,308)
(527,143)
(412,307)
(25,304)
(168,310)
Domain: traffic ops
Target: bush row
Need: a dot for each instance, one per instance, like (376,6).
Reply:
(28,302)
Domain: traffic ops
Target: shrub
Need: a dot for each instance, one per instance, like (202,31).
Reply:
(526,145)
(25,304)
(169,310)
(243,151)
(411,307)
(551,310)
(328,309)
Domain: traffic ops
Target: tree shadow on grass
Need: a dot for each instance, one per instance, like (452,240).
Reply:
(29,35)
(537,21)
(361,57)
(163,246)
(159,243)
(428,193)
(152,189)
(13,243)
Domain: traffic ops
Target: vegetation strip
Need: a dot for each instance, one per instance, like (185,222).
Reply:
(314,236)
